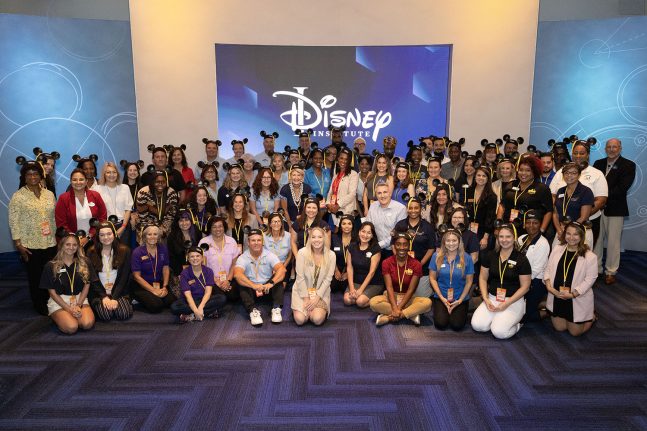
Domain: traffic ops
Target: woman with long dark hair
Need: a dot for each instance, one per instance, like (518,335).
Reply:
(265,197)
(203,207)
(481,207)
(341,241)
(364,280)
(110,259)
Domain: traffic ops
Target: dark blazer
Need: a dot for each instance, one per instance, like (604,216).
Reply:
(619,179)
(98,292)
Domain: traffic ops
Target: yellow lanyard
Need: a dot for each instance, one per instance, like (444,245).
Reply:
(452,264)
(417,174)
(256,265)
(159,208)
(267,201)
(566,268)
(476,204)
(150,259)
(502,272)
(401,280)
(517,195)
(320,183)
(202,281)
(565,201)
(222,250)
(305,232)
(240,225)
(71,279)
(109,267)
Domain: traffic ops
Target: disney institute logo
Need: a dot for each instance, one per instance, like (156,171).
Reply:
(306,114)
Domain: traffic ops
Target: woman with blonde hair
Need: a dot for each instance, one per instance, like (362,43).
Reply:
(67,278)
(314,270)
(233,183)
(117,198)
(451,272)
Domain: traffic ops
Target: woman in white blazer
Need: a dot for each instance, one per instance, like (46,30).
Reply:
(569,277)
(314,270)
(342,193)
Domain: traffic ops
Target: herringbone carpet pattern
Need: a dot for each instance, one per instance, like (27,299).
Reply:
(223,374)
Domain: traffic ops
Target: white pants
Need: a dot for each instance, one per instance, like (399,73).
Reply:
(503,324)
(611,229)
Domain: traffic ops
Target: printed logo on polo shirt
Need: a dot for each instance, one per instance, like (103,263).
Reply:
(532,191)
(191,281)
(408,271)
(369,254)
(144,257)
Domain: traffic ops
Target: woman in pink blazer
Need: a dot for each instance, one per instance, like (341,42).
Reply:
(569,277)
(342,195)
(77,206)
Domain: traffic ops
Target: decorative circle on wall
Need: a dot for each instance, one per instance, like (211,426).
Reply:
(38,90)
(633,87)
(594,53)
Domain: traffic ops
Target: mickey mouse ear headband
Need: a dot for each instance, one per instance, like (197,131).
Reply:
(303,133)
(211,141)
(236,141)
(42,157)
(79,159)
(445,228)
(458,143)
(396,235)
(333,129)
(516,142)
(266,135)
(125,164)
(491,145)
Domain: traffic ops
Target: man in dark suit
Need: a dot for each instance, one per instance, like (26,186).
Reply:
(620,174)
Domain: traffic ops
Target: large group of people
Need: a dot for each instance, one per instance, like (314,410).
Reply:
(508,235)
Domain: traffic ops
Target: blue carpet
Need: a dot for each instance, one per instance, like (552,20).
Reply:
(149,373)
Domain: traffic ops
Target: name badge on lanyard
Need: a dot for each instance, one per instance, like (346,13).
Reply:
(500,294)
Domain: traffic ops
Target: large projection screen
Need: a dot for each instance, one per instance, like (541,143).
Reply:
(376,91)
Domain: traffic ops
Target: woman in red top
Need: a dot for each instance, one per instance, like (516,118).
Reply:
(401,275)
(78,205)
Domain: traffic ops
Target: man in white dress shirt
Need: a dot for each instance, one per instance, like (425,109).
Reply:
(384,214)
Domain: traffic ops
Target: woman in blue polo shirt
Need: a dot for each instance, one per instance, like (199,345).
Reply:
(196,284)
(151,272)
(451,273)
(573,201)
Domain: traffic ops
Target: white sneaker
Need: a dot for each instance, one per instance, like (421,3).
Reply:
(276,315)
(255,317)
(416,320)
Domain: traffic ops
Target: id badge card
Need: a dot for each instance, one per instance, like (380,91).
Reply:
(500,294)
(45,229)
(108,287)
(474,227)
(72,300)
(156,285)
(411,254)
(399,297)
(450,294)
(514,213)
(312,292)
(564,289)
(222,276)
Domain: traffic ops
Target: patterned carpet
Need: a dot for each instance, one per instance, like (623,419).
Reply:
(149,373)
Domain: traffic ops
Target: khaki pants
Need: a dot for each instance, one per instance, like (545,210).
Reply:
(380,304)
(611,229)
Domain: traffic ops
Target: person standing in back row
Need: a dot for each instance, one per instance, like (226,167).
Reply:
(620,174)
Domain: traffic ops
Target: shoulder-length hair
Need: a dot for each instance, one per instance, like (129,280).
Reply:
(208,167)
(210,206)
(301,218)
(106,165)
(231,220)
(79,258)
(242,183)
(309,251)
(404,183)
(459,254)
(119,251)
(183,162)
(373,240)
(533,163)
(433,213)
(176,238)
(582,247)
(257,186)
(269,224)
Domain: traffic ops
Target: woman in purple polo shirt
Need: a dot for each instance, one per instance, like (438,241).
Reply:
(196,283)
(151,272)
